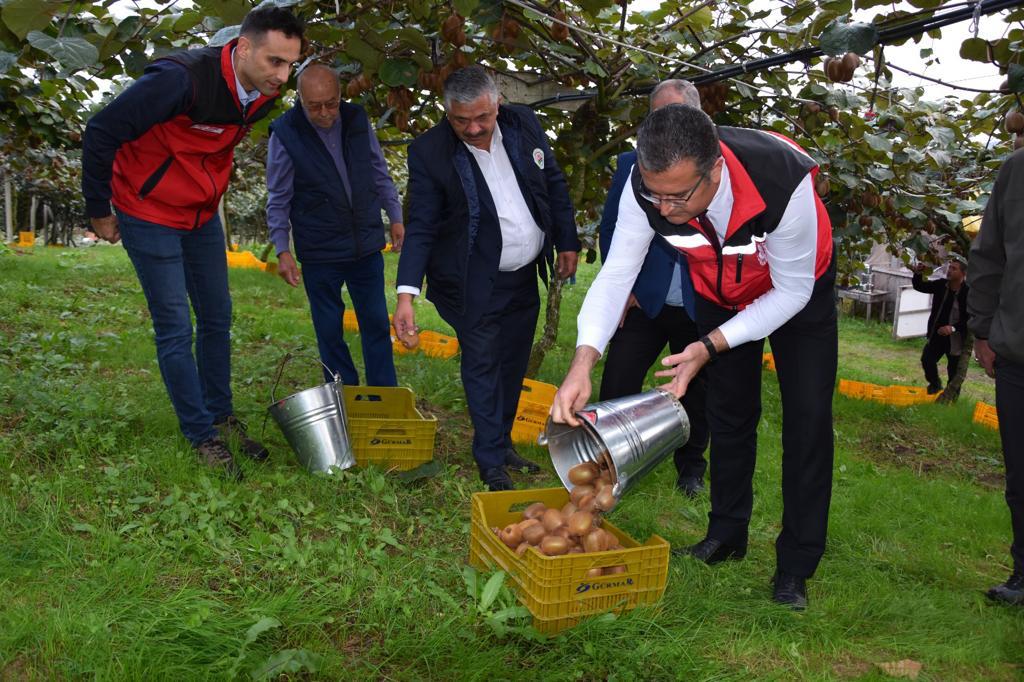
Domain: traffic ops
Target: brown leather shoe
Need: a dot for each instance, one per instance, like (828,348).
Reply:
(215,454)
(233,431)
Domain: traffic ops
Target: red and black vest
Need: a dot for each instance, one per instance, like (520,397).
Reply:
(175,173)
(764,171)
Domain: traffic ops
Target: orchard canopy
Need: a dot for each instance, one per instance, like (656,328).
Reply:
(896,165)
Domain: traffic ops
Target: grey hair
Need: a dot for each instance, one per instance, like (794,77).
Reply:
(469,84)
(678,87)
(677,133)
(314,67)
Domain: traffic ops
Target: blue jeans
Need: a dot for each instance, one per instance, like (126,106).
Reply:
(176,267)
(365,281)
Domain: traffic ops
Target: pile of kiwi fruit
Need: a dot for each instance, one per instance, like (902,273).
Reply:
(576,527)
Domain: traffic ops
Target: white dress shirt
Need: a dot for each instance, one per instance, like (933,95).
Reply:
(521,238)
(790,249)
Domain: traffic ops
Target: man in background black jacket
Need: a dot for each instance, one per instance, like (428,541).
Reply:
(947,323)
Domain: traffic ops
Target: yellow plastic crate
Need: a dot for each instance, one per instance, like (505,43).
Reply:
(863,390)
(556,590)
(349,322)
(768,361)
(244,259)
(902,396)
(986,415)
(438,345)
(385,428)
(532,414)
(26,239)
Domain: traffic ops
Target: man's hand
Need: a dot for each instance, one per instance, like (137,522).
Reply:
(288,269)
(404,320)
(566,265)
(397,236)
(986,356)
(685,365)
(106,228)
(631,302)
(946,330)
(575,390)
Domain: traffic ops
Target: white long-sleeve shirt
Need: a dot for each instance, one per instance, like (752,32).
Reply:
(790,249)
(521,237)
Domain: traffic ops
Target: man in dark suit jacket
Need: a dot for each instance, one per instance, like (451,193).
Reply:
(947,322)
(488,206)
(659,311)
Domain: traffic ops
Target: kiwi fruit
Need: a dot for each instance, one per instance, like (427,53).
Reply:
(521,549)
(1014,123)
(511,535)
(534,534)
(580,523)
(584,473)
(552,520)
(579,492)
(605,500)
(554,545)
(595,572)
(534,511)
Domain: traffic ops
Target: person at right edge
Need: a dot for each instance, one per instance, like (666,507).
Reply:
(996,277)
(740,205)
(947,322)
(659,312)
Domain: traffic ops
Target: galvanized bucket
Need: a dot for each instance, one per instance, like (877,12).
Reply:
(632,435)
(314,423)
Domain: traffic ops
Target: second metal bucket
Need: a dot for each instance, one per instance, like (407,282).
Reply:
(633,434)
(314,423)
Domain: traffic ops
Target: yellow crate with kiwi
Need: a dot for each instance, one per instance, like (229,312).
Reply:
(561,590)
(385,428)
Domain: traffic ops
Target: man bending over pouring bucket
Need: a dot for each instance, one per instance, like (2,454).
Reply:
(740,206)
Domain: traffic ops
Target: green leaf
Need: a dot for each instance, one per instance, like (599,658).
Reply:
(83,528)
(287,661)
(25,16)
(594,69)
(944,136)
(259,627)
(225,35)
(878,143)
(7,60)
(465,7)
(839,38)
(469,577)
(926,4)
(363,52)
(594,6)
(491,590)
(974,49)
(415,39)
(187,21)
(1015,78)
(398,72)
(428,470)
(72,53)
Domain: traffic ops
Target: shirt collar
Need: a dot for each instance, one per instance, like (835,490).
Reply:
(495,142)
(244,96)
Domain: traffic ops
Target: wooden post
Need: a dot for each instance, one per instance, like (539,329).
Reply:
(32,213)
(8,207)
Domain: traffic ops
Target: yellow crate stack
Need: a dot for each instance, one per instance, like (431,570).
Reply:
(985,415)
(556,590)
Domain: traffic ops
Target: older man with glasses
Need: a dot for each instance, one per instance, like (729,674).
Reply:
(740,206)
(326,184)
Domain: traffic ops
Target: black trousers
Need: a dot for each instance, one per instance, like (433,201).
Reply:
(1010,407)
(806,350)
(495,351)
(934,349)
(634,348)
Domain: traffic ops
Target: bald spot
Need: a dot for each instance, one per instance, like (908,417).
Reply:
(318,82)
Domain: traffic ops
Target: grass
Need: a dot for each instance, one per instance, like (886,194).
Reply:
(123,559)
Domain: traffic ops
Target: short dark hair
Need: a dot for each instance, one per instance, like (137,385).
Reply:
(675,133)
(468,84)
(271,18)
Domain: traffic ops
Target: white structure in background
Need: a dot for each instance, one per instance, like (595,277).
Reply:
(887,273)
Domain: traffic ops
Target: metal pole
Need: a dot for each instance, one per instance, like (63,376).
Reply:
(8,207)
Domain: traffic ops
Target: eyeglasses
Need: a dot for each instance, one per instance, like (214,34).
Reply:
(314,107)
(673,200)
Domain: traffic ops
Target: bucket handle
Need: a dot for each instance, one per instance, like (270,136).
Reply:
(297,353)
(286,359)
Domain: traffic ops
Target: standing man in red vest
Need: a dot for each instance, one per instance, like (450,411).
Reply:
(740,205)
(161,153)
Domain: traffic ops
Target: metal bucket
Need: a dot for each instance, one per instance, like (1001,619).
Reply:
(632,434)
(314,423)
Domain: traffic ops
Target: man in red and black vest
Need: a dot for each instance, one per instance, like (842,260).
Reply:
(161,153)
(740,206)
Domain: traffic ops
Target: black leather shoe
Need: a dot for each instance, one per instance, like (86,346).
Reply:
(215,454)
(712,552)
(516,462)
(789,590)
(497,479)
(933,388)
(691,486)
(1010,592)
(234,432)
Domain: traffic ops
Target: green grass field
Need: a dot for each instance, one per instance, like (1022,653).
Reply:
(122,558)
